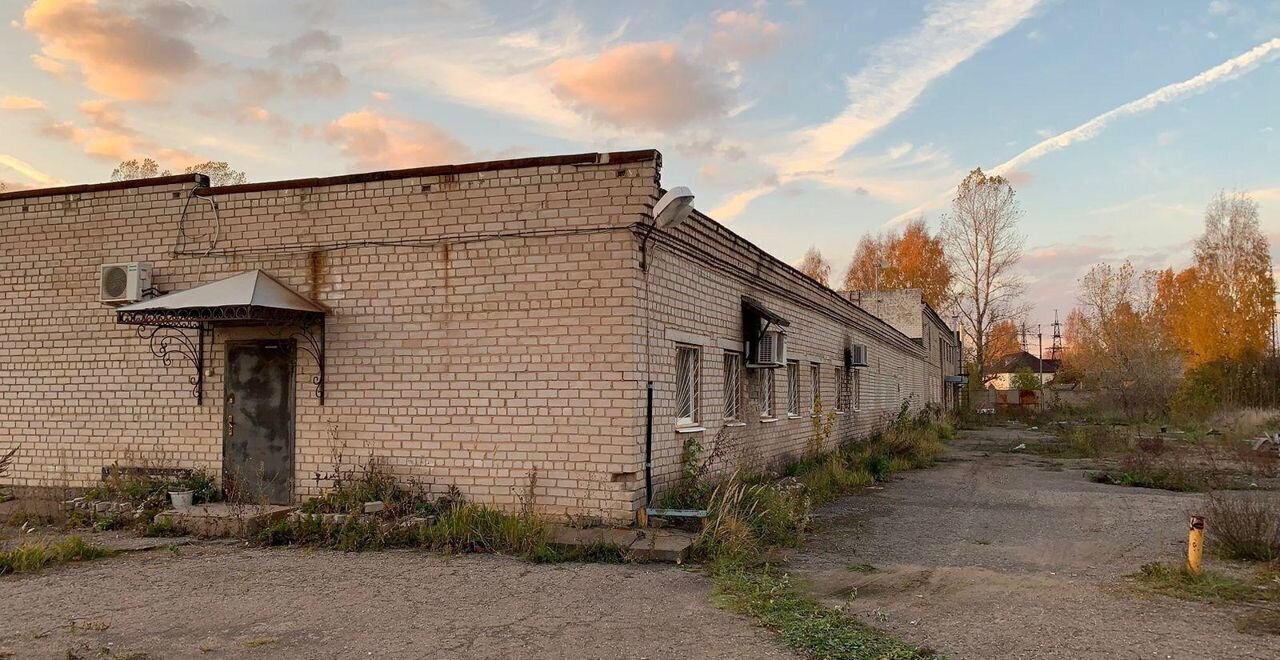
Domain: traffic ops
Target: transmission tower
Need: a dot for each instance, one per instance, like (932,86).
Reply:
(1055,349)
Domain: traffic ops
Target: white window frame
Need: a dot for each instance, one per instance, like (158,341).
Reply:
(793,388)
(815,386)
(688,376)
(732,386)
(766,382)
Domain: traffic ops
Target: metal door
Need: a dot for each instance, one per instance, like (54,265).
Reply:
(258,425)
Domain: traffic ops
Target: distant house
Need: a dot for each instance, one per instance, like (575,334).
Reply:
(1007,366)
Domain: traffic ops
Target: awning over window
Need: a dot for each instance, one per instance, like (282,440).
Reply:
(181,325)
(753,307)
(252,297)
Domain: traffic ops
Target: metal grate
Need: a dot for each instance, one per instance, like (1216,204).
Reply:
(857,389)
(686,385)
(114,282)
(793,388)
(732,386)
(842,389)
(766,392)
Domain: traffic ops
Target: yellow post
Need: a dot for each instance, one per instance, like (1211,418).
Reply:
(1195,544)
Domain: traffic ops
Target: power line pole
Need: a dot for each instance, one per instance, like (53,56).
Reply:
(1055,348)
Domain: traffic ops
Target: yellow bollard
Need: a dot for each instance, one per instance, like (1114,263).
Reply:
(1195,544)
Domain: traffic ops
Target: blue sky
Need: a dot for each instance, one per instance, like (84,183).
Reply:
(796,123)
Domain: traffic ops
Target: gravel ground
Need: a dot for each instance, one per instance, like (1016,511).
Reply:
(212,601)
(1002,555)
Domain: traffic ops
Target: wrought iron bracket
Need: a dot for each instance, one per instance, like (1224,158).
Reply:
(310,335)
(175,342)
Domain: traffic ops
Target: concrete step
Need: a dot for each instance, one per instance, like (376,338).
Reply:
(221,519)
(658,545)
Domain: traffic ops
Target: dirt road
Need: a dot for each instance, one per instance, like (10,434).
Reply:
(219,601)
(1000,555)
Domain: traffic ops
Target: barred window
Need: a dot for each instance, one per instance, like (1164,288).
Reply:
(815,387)
(793,388)
(857,389)
(766,392)
(842,389)
(732,386)
(687,378)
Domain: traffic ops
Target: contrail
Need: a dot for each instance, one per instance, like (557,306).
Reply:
(27,170)
(1229,70)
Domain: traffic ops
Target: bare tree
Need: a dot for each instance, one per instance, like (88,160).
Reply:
(983,245)
(815,266)
(219,172)
(1234,259)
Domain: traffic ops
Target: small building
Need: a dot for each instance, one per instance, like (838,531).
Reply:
(503,328)
(941,372)
(1007,367)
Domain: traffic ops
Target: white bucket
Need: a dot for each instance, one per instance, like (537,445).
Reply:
(180,498)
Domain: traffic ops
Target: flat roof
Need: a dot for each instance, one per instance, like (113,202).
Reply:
(591,158)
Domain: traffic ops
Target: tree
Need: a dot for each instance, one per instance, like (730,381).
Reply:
(145,168)
(219,172)
(982,244)
(1004,339)
(815,266)
(1233,261)
(1026,379)
(913,259)
(1119,346)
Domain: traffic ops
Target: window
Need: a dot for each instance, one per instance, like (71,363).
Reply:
(842,389)
(732,386)
(793,388)
(815,387)
(687,377)
(857,389)
(766,392)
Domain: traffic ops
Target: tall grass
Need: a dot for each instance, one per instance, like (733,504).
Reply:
(31,557)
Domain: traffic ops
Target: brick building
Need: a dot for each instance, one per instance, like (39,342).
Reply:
(906,310)
(473,326)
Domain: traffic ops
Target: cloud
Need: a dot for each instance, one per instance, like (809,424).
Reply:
(380,96)
(739,35)
(121,54)
(108,135)
(313,40)
(26,169)
(1265,194)
(319,79)
(21,103)
(372,140)
(896,75)
(642,85)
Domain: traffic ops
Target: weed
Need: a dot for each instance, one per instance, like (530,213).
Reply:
(803,624)
(261,642)
(1244,526)
(1208,586)
(162,527)
(1167,471)
(6,462)
(31,557)
(861,568)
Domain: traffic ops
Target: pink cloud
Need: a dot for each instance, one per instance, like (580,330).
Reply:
(642,85)
(20,103)
(372,140)
(121,54)
(740,35)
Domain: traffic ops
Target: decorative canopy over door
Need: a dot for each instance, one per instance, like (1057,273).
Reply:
(179,324)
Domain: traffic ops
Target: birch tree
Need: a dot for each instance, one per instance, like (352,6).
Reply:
(983,245)
(815,266)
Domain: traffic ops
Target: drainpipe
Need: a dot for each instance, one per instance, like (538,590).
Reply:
(648,447)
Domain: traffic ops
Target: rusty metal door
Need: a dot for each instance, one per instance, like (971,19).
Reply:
(258,425)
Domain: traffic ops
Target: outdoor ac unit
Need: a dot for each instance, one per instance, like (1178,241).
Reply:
(124,283)
(858,355)
(770,349)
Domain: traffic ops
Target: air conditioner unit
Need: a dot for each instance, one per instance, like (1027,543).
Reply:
(858,355)
(124,283)
(769,349)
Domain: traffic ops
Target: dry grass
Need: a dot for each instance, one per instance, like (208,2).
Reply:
(32,557)
(1244,526)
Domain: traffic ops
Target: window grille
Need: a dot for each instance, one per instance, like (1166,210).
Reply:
(793,388)
(732,386)
(766,392)
(686,385)
(842,389)
(815,387)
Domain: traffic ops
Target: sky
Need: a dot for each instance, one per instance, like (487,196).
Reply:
(795,123)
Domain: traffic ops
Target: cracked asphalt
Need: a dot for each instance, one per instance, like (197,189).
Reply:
(212,601)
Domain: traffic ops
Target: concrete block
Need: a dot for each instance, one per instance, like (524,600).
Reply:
(374,507)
